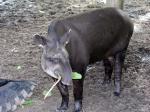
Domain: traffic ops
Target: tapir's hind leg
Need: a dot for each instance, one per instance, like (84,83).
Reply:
(108,71)
(118,64)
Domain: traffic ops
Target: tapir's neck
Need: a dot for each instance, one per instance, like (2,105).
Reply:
(77,51)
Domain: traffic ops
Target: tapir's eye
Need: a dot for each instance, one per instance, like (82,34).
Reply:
(53,60)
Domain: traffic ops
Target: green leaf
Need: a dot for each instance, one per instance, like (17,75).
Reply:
(28,102)
(18,67)
(76,75)
(45,92)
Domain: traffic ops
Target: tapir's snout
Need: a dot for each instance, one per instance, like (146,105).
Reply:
(65,76)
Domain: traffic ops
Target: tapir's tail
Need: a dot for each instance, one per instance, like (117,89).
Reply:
(131,29)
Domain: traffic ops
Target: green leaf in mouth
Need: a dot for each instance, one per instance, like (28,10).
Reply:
(76,75)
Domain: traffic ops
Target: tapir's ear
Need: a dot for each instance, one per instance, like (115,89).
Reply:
(40,40)
(65,38)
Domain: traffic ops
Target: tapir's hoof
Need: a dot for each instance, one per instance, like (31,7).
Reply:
(78,111)
(117,93)
(78,106)
(13,93)
(117,89)
(61,110)
(63,107)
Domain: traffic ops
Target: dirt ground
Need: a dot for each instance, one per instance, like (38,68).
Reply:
(20,58)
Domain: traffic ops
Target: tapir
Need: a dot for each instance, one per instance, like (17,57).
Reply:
(74,42)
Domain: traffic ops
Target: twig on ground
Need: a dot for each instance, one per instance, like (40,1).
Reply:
(59,78)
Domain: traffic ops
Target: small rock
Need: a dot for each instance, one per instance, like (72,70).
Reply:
(52,12)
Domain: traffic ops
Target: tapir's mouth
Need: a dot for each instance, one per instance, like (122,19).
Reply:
(52,74)
(65,77)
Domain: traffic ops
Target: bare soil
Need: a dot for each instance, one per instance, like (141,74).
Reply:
(19,23)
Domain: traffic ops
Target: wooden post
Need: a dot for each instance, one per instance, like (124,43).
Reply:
(115,3)
(83,0)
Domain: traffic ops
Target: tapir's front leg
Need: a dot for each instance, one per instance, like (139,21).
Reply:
(78,87)
(78,94)
(65,97)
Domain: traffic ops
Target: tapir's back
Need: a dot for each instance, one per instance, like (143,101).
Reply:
(98,20)
(103,32)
